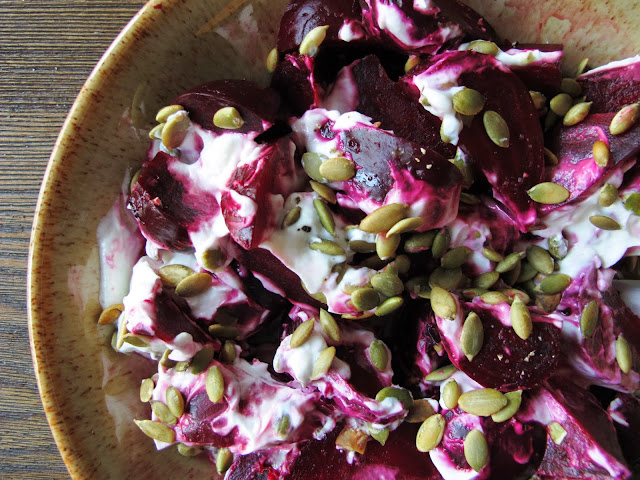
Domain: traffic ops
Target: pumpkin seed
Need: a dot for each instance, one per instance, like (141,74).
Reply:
(325,215)
(582,66)
(509,262)
(381,436)
(323,363)
(419,411)
(420,286)
(324,191)
(311,164)
(469,198)
(402,264)
(163,413)
(156,132)
(227,332)
(512,293)
(451,394)
(379,355)
(387,284)
(556,432)
(576,114)
(468,101)
(182,366)
(540,259)
(194,284)
(441,373)
(539,100)
(624,119)
(146,390)
(272,60)
(514,399)
(214,384)
(136,340)
(213,259)
(312,41)
(476,450)
(361,246)
(228,118)
(601,153)
(352,440)
(549,121)
(411,62)
(560,104)
(443,304)
(390,305)
(386,245)
(548,303)
(496,128)
(520,319)
(327,247)
(365,298)
(224,460)
(201,360)
(527,272)
(632,203)
(471,336)
(165,112)
(175,130)
(110,314)
(548,193)
(623,354)
(430,433)
(156,430)
(357,316)
(282,426)
(558,247)
(329,325)
(482,402)
(399,393)
(455,257)
(555,283)
(492,255)
(228,353)
(604,223)
(471,293)
(406,225)
(419,242)
(172,275)
(441,243)
(383,218)
(188,451)
(486,280)
(337,169)
(175,401)
(571,87)
(483,46)
(589,318)
(302,333)
(291,217)
(550,157)
(494,298)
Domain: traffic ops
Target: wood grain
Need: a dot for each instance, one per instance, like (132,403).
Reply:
(47,50)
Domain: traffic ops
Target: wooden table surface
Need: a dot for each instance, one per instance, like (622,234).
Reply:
(47,50)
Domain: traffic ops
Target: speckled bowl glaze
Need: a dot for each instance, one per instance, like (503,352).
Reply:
(90,393)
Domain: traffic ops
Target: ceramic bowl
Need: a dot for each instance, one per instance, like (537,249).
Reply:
(90,393)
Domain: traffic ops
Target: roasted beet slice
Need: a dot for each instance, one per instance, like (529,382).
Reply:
(516,449)
(542,73)
(511,171)
(398,459)
(612,86)
(427,28)
(582,441)
(505,362)
(257,106)
(625,413)
(386,102)
(164,205)
(577,170)
(294,80)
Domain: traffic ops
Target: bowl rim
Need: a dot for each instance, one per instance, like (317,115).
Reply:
(109,61)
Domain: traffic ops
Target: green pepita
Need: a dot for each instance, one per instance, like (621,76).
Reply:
(514,399)
(494,298)
(624,119)
(384,218)
(443,304)
(419,242)
(194,285)
(312,41)
(282,426)
(110,314)
(272,60)
(492,255)
(441,373)
(136,340)
(527,272)
(441,243)
(362,246)
(390,305)
(302,333)
(576,114)
(548,193)
(471,293)
(146,390)
(561,103)
(187,451)
(172,275)
(337,169)
(632,203)
(324,191)
(420,286)
(539,100)
(175,401)
(365,298)
(623,354)
(156,132)
(291,217)
(509,262)
(213,259)
(323,363)
(456,257)
(325,215)
(557,432)
(327,247)
(387,245)
(162,412)
(496,128)
(156,430)
(471,336)
(550,158)
(430,433)
(571,87)
(468,101)
(556,283)
(520,319)
(450,394)
(482,402)
(201,360)
(311,163)
(175,130)
(228,353)
(379,355)
(165,112)
(604,223)
(228,118)
(589,318)
(399,393)
(224,460)
(484,46)
(329,325)
(381,436)
(419,411)
(406,225)
(540,259)
(411,62)
(214,384)
(601,153)
(486,280)
(387,284)
(476,450)
(548,303)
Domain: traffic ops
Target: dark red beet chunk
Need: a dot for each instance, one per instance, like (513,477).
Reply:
(513,170)
(398,459)
(611,89)
(293,79)
(625,412)
(544,77)
(163,206)
(386,102)
(257,106)
(505,362)
(576,170)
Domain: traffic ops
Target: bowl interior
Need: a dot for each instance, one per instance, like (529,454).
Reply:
(90,394)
